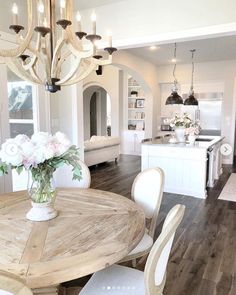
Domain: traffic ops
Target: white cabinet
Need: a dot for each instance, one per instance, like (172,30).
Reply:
(131,142)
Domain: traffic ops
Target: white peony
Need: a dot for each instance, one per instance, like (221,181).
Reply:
(27,149)
(48,151)
(41,138)
(21,139)
(61,143)
(39,156)
(10,153)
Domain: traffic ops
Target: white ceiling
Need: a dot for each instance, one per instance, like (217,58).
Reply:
(86,4)
(222,48)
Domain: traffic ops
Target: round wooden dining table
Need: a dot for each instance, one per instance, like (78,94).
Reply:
(94,229)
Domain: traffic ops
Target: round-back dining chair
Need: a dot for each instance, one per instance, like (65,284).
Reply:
(120,280)
(12,285)
(63,177)
(147,191)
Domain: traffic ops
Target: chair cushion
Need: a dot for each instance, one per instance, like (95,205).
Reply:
(144,244)
(115,280)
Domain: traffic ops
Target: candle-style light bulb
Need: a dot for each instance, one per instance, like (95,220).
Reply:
(93,19)
(40,13)
(63,8)
(15,14)
(78,19)
(109,34)
(41,7)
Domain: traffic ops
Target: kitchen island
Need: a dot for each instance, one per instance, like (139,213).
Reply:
(189,168)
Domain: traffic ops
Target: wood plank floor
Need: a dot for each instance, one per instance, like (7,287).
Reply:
(203,258)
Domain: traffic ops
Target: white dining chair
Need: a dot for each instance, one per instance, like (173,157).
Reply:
(12,285)
(64,177)
(121,280)
(147,191)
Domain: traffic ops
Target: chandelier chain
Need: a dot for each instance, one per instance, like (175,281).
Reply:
(174,69)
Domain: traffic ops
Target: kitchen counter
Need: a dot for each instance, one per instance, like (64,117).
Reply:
(189,168)
(198,144)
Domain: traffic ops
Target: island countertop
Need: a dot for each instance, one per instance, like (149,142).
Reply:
(188,168)
(197,144)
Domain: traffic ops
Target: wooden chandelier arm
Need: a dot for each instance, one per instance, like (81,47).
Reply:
(72,72)
(71,37)
(36,54)
(25,43)
(79,77)
(57,52)
(80,53)
(15,66)
(34,74)
(101,62)
(60,62)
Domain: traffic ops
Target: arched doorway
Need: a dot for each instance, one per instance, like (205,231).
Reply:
(97,112)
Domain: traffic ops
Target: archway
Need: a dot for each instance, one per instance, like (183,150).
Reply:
(97,112)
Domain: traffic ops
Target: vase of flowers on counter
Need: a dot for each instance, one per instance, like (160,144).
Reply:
(193,131)
(180,124)
(40,155)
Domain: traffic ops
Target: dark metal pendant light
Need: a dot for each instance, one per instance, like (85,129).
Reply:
(174,98)
(191,100)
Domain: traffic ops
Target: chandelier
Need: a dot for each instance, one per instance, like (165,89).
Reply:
(174,97)
(51,53)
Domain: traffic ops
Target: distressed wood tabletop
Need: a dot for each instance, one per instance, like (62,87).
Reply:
(93,230)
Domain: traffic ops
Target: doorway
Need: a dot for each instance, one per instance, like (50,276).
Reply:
(97,112)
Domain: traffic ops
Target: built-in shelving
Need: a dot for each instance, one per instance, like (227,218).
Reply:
(136,106)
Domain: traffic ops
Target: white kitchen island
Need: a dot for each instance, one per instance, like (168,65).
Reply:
(188,168)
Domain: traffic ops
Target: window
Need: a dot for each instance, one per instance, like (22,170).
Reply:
(22,116)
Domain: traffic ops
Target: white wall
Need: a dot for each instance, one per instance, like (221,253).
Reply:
(218,72)
(109,80)
(146,75)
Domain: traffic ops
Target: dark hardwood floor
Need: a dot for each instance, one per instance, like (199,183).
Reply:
(203,257)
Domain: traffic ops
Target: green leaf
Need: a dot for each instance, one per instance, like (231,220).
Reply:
(77,175)
(3,169)
(19,169)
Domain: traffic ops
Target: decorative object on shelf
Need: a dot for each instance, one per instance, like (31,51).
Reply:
(41,60)
(140,103)
(134,93)
(191,100)
(40,156)
(131,127)
(180,123)
(174,98)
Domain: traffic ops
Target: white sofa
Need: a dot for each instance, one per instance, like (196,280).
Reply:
(101,149)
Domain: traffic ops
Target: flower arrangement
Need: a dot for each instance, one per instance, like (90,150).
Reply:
(41,154)
(193,129)
(181,121)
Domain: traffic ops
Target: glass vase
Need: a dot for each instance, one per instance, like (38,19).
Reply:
(42,193)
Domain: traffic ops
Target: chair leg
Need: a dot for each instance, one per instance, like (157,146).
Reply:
(142,259)
(134,263)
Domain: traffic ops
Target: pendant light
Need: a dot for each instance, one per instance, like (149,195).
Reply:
(174,98)
(191,100)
